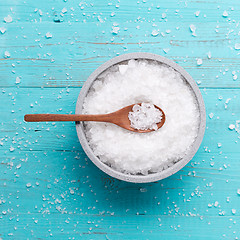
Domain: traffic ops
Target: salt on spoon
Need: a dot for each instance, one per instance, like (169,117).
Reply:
(141,117)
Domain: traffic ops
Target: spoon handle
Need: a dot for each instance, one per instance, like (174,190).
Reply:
(67,117)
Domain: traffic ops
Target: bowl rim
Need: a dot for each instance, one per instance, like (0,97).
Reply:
(153,176)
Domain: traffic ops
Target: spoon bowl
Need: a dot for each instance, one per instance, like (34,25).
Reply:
(121,119)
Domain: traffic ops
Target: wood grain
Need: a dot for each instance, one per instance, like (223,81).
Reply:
(48,186)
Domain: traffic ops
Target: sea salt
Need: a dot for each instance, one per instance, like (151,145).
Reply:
(197,13)
(48,35)
(115,30)
(225,14)
(193,29)
(64,10)
(237,46)
(141,82)
(199,61)
(7,54)
(238,191)
(18,80)
(155,33)
(8,19)
(211,115)
(2,30)
(145,116)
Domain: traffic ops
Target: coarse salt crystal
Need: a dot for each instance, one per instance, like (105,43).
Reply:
(231,126)
(18,80)
(197,13)
(193,29)
(115,30)
(225,14)
(100,19)
(48,35)
(2,30)
(155,33)
(199,61)
(11,149)
(123,68)
(237,46)
(18,166)
(145,116)
(211,115)
(7,54)
(166,50)
(8,19)
(64,10)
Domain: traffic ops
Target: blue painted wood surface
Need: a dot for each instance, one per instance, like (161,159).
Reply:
(48,187)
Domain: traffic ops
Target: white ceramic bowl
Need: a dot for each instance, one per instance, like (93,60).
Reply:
(153,176)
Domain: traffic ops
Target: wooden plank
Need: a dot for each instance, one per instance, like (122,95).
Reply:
(73,53)
(111,227)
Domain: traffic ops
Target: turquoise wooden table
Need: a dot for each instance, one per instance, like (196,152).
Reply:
(48,186)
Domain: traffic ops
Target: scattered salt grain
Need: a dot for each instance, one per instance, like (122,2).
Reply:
(145,116)
(234,211)
(28,185)
(235,77)
(211,115)
(237,46)
(115,30)
(48,35)
(64,10)
(7,54)
(225,14)
(199,61)
(18,166)
(197,13)
(193,30)
(11,149)
(238,191)
(100,19)
(143,190)
(18,80)
(155,33)
(164,15)
(166,50)
(8,19)
(134,82)
(2,30)
(231,126)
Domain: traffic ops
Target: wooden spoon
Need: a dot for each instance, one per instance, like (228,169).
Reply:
(119,118)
